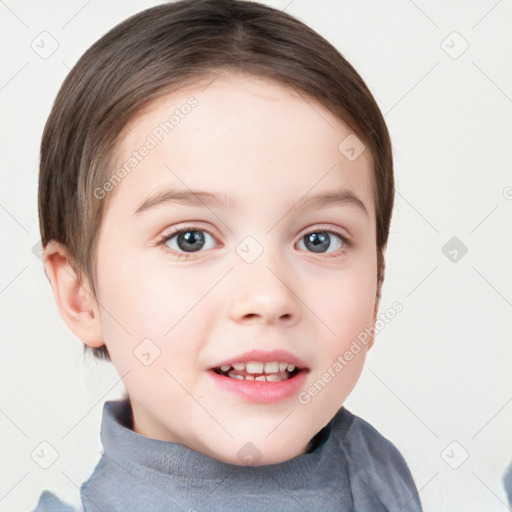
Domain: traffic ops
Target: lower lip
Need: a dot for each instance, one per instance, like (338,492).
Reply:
(261,391)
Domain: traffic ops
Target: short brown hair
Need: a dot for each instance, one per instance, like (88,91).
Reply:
(160,50)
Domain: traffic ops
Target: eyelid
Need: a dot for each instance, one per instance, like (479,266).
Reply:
(343,233)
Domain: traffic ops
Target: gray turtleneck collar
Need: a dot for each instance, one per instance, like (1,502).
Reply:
(349,466)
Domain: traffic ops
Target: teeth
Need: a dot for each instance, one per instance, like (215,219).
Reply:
(272,367)
(272,377)
(254,367)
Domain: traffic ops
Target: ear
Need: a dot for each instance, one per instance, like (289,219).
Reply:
(375,312)
(380,279)
(74,299)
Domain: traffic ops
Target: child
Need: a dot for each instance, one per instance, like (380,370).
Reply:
(232,126)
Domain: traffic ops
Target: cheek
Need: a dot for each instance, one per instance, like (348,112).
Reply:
(347,308)
(346,301)
(147,298)
(155,302)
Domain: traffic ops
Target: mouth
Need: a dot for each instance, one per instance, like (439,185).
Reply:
(272,371)
(259,376)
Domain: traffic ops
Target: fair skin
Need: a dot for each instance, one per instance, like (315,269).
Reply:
(265,147)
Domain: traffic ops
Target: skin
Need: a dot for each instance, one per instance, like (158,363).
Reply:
(265,146)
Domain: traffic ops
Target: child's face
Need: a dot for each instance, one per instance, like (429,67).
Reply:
(251,282)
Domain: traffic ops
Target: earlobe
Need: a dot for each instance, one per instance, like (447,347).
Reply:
(74,300)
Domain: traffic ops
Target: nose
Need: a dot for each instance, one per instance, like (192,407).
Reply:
(262,293)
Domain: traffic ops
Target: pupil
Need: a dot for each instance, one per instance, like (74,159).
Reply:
(190,240)
(318,241)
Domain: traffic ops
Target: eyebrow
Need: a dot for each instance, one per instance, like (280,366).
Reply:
(203,198)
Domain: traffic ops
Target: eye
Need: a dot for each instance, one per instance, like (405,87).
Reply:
(321,240)
(192,239)
(189,239)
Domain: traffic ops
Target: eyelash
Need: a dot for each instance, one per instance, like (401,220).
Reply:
(163,239)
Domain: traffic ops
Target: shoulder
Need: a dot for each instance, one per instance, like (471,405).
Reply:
(375,464)
(48,502)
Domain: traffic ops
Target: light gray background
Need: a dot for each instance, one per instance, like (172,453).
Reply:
(437,382)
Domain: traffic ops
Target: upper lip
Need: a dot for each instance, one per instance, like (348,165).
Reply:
(263,356)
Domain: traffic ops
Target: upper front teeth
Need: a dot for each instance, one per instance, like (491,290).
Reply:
(259,367)
(254,367)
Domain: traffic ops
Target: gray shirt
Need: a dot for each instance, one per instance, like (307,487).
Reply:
(349,466)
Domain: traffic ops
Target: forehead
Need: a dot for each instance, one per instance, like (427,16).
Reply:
(241,136)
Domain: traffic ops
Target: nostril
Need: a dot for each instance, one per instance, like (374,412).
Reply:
(252,316)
